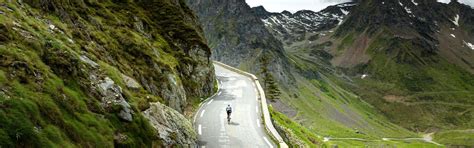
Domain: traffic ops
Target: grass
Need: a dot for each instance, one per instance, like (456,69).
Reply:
(298,135)
(47,97)
(328,108)
(434,94)
(295,131)
(3,78)
(346,42)
(455,137)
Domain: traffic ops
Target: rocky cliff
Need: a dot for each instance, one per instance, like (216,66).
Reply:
(100,73)
(291,28)
(239,38)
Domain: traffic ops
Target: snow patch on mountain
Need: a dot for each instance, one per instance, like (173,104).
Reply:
(346,5)
(345,11)
(306,20)
(470,45)
(408,10)
(364,76)
(413,1)
(456,20)
(401,4)
(453,35)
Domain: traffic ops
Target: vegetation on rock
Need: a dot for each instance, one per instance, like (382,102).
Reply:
(66,69)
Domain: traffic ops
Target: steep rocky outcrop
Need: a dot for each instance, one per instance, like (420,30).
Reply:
(309,30)
(238,38)
(172,126)
(100,73)
(303,24)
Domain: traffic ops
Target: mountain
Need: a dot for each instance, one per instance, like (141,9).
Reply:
(100,73)
(369,69)
(237,37)
(296,27)
(419,48)
(411,60)
(417,57)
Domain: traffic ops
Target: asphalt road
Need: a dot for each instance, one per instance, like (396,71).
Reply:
(246,128)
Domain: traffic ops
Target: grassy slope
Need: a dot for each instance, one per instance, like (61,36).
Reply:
(314,119)
(34,114)
(455,137)
(43,100)
(436,95)
(314,113)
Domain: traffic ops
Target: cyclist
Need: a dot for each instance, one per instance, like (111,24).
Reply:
(229,111)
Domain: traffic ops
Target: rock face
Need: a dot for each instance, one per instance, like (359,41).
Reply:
(173,128)
(100,73)
(290,27)
(423,22)
(130,82)
(112,95)
(239,38)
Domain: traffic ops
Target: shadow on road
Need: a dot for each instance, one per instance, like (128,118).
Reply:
(199,142)
(234,123)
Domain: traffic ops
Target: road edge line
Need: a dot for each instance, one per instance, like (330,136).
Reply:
(266,114)
(205,101)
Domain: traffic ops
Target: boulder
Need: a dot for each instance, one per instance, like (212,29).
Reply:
(130,82)
(171,126)
(112,96)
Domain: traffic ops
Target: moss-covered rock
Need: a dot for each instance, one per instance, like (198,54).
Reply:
(173,128)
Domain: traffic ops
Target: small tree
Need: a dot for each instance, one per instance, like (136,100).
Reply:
(271,88)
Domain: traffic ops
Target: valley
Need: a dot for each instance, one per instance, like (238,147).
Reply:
(369,70)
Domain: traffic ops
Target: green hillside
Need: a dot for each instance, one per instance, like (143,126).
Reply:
(86,73)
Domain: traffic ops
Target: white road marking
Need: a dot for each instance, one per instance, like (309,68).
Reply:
(256,109)
(210,101)
(222,117)
(202,113)
(258,122)
(219,93)
(199,130)
(268,142)
(194,120)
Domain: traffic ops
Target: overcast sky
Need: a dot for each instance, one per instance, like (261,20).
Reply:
(315,5)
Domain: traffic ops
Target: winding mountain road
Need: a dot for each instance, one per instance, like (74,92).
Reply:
(246,128)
